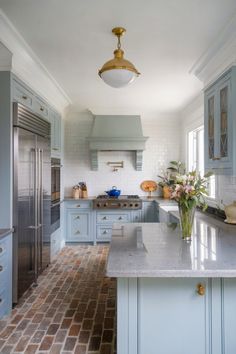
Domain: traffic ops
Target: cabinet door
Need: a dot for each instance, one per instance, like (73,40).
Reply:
(150,212)
(218,126)
(78,226)
(172,317)
(210,128)
(41,108)
(55,121)
(224,130)
(228,300)
(57,134)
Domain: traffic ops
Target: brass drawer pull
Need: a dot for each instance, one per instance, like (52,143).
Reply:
(78,206)
(24,97)
(1,268)
(56,149)
(217,158)
(201,289)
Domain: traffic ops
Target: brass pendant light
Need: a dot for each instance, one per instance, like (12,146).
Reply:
(118,72)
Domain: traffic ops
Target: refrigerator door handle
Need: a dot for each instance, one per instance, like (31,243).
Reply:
(35,227)
(40,208)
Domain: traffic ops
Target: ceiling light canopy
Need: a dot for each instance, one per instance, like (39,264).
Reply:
(118,72)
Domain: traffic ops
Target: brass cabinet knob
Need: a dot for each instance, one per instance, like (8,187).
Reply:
(120,218)
(24,97)
(41,109)
(78,217)
(104,218)
(201,289)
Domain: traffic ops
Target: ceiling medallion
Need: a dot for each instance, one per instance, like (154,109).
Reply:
(118,72)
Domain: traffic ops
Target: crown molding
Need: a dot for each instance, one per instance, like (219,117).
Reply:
(5,58)
(28,67)
(220,56)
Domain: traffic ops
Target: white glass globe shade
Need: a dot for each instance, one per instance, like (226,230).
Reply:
(118,77)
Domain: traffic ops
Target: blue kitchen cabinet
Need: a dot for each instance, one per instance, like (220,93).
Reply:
(55,121)
(171,316)
(23,94)
(5,275)
(79,221)
(106,219)
(220,125)
(55,243)
(79,226)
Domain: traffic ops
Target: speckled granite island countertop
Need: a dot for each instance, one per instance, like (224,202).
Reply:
(5,232)
(157,250)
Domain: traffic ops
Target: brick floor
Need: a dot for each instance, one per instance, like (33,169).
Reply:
(71,311)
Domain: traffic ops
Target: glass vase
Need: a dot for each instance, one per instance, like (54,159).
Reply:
(186,221)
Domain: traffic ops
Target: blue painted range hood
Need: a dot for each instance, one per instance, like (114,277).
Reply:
(117,133)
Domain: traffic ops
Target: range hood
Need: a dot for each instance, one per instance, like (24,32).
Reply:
(117,133)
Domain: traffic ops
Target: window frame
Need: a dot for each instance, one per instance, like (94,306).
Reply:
(212,201)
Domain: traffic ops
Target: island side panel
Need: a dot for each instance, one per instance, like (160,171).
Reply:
(163,316)
(228,306)
(127,316)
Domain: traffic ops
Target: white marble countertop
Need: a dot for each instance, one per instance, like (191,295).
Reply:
(157,250)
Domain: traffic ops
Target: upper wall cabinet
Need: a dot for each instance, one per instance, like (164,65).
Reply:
(26,96)
(55,121)
(220,124)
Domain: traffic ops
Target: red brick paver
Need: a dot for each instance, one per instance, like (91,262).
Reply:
(71,311)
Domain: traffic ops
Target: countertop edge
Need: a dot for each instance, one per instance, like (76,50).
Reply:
(5,232)
(175,274)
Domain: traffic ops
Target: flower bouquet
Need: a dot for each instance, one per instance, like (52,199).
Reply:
(189,190)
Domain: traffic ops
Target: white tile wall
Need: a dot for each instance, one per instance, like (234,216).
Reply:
(162,146)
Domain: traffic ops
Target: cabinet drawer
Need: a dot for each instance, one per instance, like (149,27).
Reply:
(41,108)
(110,218)
(22,95)
(78,204)
(104,233)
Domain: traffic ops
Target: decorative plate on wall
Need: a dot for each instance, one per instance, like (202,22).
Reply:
(149,186)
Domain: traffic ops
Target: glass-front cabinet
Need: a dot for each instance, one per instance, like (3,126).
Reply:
(219,125)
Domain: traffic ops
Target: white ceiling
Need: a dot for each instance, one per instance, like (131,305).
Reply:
(164,38)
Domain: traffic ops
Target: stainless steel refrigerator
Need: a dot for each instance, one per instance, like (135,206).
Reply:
(31,198)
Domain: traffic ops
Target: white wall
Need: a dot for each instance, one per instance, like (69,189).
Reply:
(192,117)
(162,146)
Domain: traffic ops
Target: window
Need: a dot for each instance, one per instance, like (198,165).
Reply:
(196,157)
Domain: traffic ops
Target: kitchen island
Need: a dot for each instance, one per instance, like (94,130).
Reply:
(175,297)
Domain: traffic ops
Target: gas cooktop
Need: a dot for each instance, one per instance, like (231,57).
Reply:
(123,197)
(121,202)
